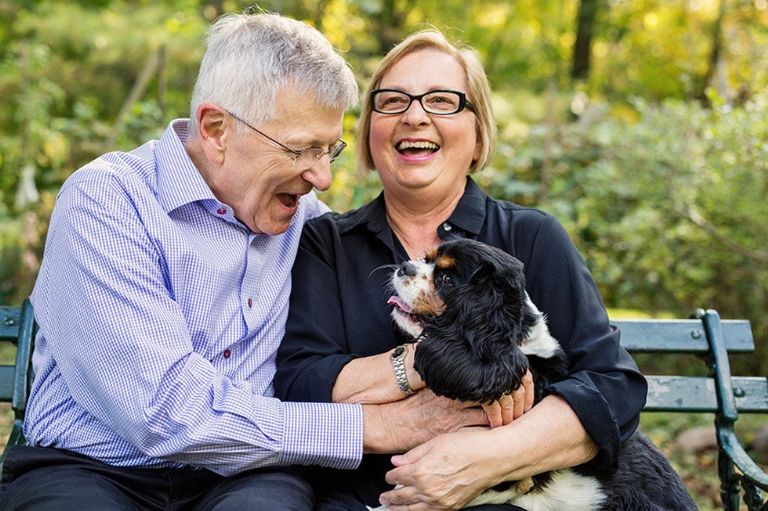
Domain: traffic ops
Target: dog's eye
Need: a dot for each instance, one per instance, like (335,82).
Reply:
(444,280)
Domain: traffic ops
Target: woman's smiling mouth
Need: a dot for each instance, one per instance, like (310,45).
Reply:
(416,147)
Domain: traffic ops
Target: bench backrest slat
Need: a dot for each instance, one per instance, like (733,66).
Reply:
(681,335)
(6,383)
(9,323)
(9,331)
(697,394)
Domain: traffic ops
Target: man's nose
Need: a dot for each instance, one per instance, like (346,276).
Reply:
(319,174)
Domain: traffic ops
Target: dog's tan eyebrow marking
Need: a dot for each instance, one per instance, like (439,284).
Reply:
(430,254)
(445,261)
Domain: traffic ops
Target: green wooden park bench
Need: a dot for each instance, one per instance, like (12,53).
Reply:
(706,335)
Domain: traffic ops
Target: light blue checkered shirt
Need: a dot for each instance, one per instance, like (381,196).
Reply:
(159,319)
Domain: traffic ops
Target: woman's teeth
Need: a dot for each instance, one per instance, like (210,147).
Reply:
(418,145)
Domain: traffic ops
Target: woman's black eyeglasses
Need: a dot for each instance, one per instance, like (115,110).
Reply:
(305,157)
(438,102)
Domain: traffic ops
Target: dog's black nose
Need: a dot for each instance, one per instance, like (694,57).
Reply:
(407,269)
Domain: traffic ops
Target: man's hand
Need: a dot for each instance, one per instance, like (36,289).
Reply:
(402,425)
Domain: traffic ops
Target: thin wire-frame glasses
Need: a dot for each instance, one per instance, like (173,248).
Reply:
(305,157)
(438,102)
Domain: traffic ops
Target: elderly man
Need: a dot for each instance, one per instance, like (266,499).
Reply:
(163,297)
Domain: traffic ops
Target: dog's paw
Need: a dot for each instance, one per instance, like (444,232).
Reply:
(524,486)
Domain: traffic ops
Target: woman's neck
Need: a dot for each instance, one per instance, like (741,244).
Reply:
(415,222)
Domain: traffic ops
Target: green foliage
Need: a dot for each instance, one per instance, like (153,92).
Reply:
(669,210)
(664,197)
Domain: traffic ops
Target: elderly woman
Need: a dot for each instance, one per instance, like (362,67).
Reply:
(426,126)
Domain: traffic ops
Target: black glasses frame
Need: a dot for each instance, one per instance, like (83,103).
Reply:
(463,101)
(315,152)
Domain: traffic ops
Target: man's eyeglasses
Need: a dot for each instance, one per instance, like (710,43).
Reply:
(306,157)
(438,102)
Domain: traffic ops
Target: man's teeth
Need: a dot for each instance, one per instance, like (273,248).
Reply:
(419,144)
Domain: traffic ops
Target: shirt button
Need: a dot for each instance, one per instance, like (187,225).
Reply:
(227,353)
(222,211)
(447,227)
(250,302)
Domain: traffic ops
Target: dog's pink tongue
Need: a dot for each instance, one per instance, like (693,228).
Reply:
(399,303)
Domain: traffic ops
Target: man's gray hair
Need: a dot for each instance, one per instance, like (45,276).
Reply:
(250,57)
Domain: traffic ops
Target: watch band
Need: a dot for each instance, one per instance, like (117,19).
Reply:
(398,364)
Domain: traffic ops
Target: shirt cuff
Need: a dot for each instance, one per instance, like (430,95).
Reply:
(325,434)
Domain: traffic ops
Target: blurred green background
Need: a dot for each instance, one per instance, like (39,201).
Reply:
(642,125)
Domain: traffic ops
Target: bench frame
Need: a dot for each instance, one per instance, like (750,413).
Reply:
(720,393)
(705,335)
(18,325)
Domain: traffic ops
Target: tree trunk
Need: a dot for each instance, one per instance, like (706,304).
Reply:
(582,48)
(715,57)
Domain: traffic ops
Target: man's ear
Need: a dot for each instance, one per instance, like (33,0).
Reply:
(211,121)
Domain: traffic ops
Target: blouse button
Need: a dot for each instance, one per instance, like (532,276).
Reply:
(447,227)
(250,302)
(227,353)
(221,211)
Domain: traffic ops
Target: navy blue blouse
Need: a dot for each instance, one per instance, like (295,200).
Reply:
(338,311)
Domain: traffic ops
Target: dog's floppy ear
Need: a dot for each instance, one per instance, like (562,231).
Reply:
(503,274)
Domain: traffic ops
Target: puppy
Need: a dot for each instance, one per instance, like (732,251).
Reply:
(478,334)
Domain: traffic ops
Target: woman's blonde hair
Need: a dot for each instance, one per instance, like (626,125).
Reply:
(478,93)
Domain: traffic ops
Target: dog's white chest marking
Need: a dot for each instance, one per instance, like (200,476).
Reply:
(539,343)
(566,490)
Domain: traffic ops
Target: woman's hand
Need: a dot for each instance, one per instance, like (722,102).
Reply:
(511,406)
(449,471)
(444,473)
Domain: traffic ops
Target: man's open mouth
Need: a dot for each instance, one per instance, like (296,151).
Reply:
(289,200)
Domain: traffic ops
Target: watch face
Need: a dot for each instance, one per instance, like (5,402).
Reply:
(398,351)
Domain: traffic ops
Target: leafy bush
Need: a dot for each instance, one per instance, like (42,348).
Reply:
(669,210)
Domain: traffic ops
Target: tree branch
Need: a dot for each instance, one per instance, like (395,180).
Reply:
(694,216)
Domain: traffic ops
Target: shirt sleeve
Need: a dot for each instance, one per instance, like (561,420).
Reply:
(122,346)
(315,347)
(604,386)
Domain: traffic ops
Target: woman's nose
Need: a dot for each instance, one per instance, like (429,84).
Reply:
(415,114)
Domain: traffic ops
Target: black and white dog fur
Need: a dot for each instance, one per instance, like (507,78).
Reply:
(478,334)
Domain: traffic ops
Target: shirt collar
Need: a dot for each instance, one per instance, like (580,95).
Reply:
(469,214)
(179,182)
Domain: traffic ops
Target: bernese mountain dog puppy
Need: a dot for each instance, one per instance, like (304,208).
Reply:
(478,333)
